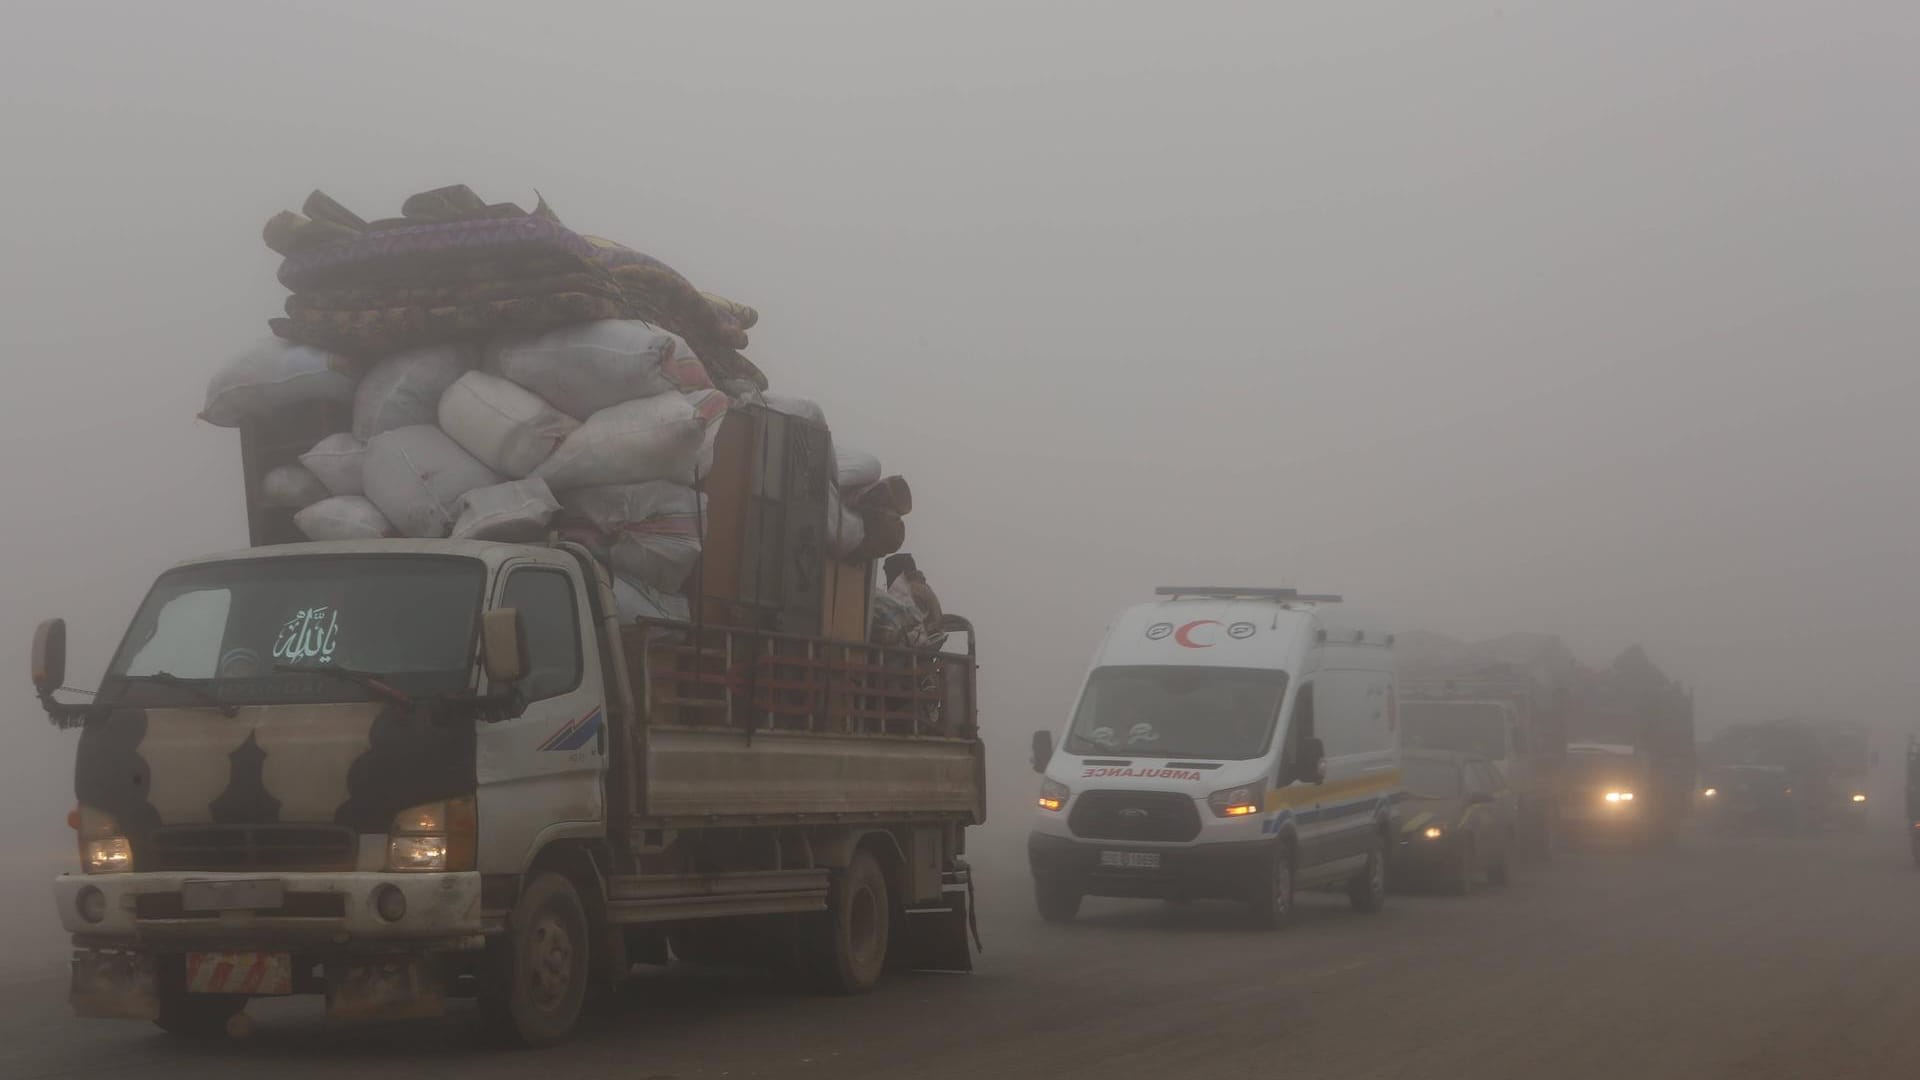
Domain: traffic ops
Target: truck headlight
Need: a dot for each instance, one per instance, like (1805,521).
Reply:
(1858,797)
(1240,801)
(1434,832)
(434,837)
(1054,795)
(1619,796)
(1711,792)
(103,849)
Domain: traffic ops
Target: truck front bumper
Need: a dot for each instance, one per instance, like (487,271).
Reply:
(334,910)
(136,935)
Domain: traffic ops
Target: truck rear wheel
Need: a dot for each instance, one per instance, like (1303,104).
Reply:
(536,974)
(846,951)
(1058,901)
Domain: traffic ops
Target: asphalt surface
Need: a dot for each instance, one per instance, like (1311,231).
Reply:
(1751,957)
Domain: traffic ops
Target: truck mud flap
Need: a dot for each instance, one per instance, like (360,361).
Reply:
(937,939)
(397,988)
(114,986)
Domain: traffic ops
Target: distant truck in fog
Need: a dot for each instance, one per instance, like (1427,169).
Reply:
(1634,705)
(1505,700)
(1821,769)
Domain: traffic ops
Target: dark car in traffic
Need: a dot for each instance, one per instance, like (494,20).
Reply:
(1456,823)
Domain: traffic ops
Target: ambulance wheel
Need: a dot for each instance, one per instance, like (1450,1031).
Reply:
(1367,892)
(192,1016)
(1058,901)
(535,978)
(1271,906)
(846,950)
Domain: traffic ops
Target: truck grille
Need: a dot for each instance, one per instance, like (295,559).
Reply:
(251,847)
(1134,815)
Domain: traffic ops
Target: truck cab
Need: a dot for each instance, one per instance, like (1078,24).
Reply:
(1228,744)
(392,771)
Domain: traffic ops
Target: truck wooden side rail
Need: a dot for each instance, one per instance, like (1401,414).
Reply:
(750,727)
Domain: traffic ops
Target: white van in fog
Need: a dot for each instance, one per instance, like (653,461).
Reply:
(1229,743)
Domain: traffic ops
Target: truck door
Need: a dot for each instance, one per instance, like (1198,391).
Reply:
(547,765)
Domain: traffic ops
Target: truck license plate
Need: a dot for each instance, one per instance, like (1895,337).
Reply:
(239,973)
(1130,860)
(259,894)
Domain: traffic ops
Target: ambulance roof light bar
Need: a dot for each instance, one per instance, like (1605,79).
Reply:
(1233,592)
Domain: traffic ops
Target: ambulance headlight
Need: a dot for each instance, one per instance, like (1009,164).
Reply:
(1053,795)
(1243,801)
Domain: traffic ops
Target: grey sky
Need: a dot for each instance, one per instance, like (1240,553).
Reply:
(1586,317)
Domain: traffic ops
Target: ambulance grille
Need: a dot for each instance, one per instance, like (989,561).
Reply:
(1164,816)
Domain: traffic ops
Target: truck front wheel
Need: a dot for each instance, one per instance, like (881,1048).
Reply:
(846,951)
(536,977)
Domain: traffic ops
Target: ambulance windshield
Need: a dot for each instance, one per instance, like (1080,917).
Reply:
(1222,714)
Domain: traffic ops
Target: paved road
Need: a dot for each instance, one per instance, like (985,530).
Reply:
(1749,957)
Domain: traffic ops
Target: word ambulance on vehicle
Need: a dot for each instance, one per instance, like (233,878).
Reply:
(1230,743)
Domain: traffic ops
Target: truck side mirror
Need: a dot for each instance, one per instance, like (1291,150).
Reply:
(1042,750)
(503,647)
(50,656)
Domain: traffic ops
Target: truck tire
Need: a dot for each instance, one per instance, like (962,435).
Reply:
(535,978)
(1460,871)
(1058,901)
(1540,835)
(1367,889)
(192,1016)
(845,951)
(1270,907)
(1497,872)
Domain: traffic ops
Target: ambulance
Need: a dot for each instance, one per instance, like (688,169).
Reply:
(1229,743)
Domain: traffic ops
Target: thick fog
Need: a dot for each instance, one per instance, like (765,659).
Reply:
(1591,318)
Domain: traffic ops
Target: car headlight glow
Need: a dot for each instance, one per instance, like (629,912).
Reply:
(1711,792)
(1434,832)
(1054,795)
(1619,796)
(433,837)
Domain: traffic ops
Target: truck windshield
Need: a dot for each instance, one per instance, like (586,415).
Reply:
(1431,777)
(1465,727)
(1223,714)
(229,626)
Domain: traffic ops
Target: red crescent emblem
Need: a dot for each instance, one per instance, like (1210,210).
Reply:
(1184,635)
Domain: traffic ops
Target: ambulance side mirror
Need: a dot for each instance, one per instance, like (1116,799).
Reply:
(1042,750)
(1310,764)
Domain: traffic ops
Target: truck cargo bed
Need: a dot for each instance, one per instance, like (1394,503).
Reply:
(751,727)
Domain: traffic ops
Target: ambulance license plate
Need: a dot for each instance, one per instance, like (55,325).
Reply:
(1130,860)
(239,973)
